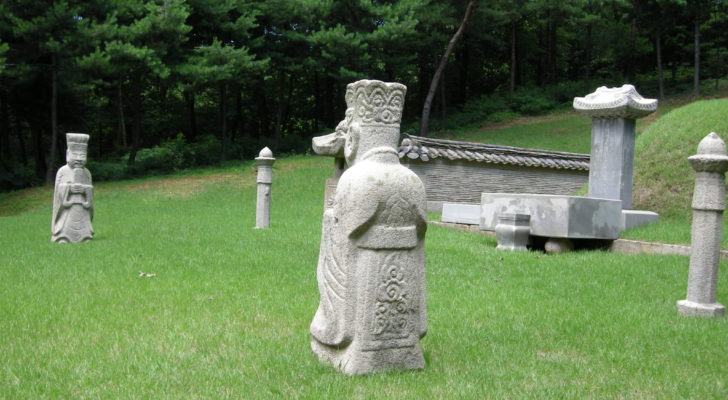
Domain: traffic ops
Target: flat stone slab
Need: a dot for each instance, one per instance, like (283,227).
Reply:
(634,218)
(556,215)
(457,213)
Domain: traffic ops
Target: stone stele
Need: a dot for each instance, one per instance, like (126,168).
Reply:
(371,268)
(613,112)
(73,195)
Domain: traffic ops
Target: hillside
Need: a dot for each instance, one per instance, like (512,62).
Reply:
(663,179)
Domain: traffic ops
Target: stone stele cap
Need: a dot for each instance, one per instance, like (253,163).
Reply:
(77,141)
(607,103)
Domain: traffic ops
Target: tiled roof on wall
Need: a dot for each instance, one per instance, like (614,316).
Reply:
(425,149)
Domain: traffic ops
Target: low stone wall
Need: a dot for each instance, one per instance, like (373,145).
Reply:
(449,181)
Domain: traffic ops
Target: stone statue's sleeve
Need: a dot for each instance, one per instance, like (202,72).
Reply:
(356,206)
(60,193)
(89,204)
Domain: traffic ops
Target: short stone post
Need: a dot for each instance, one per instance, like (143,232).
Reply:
(710,165)
(264,162)
(512,231)
(614,112)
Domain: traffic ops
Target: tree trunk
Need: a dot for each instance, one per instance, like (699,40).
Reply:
(281,106)
(49,177)
(658,51)
(39,157)
(316,102)
(464,81)
(425,120)
(552,37)
(443,99)
(262,120)
(540,62)
(630,70)
(120,112)
(288,122)
(512,86)
(4,128)
(238,121)
(588,51)
(191,115)
(696,72)
(223,120)
(137,122)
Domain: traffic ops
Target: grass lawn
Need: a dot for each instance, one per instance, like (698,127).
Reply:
(227,314)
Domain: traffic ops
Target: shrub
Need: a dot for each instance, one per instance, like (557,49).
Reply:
(531,102)
(205,150)
(153,161)
(107,171)
(17,176)
(183,153)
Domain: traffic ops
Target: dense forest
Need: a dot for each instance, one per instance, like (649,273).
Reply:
(166,84)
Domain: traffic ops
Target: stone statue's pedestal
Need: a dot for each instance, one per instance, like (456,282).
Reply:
(556,216)
(353,360)
(687,307)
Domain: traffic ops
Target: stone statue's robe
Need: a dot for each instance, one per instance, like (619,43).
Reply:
(72,212)
(371,271)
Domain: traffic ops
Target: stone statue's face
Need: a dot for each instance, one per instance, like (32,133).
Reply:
(76,159)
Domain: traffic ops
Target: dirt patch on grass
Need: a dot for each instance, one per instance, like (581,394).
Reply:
(185,186)
(490,127)
(18,202)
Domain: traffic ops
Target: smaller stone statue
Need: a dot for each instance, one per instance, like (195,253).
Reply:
(73,195)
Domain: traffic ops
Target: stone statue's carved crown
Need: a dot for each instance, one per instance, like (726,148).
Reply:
(376,102)
(77,141)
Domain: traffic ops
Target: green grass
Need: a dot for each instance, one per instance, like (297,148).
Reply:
(564,131)
(227,314)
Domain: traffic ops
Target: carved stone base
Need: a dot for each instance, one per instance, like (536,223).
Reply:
(689,308)
(352,360)
(512,231)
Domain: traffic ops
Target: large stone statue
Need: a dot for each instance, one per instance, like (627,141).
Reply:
(73,195)
(371,269)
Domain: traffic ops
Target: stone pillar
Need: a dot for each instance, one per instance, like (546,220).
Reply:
(613,112)
(710,165)
(512,231)
(265,162)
